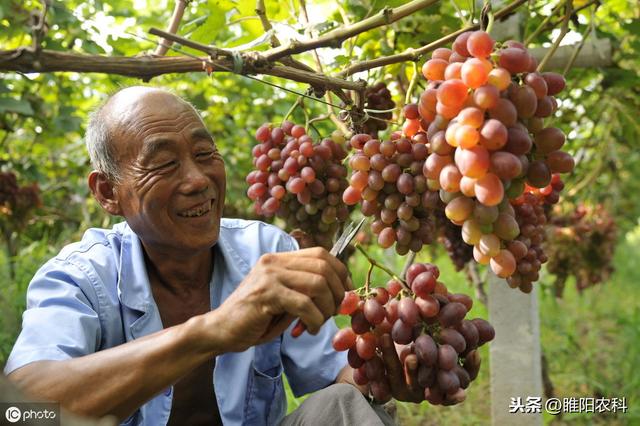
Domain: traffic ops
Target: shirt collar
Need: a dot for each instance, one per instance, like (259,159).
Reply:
(134,289)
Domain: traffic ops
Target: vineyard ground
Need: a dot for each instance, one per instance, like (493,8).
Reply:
(592,341)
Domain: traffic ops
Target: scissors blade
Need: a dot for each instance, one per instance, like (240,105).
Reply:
(346,237)
(342,243)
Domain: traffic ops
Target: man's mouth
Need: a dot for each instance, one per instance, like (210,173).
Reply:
(197,211)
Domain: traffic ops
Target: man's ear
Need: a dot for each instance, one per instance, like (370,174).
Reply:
(103,190)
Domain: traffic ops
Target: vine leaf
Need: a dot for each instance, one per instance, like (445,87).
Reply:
(20,106)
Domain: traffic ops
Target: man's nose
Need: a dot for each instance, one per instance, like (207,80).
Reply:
(194,179)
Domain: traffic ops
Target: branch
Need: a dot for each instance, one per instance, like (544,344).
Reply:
(261,11)
(254,57)
(576,51)
(543,25)
(563,32)
(416,54)
(40,27)
(266,25)
(330,110)
(547,21)
(335,37)
(212,51)
(178,11)
(26,61)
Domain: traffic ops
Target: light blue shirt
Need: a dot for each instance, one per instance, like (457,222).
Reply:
(95,294)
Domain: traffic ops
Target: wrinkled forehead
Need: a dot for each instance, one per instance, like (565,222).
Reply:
(135,114)
(134,106)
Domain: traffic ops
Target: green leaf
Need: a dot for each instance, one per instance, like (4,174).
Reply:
(14,105)
(341,60)
(207,32)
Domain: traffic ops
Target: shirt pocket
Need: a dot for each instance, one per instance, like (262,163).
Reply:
(266,402)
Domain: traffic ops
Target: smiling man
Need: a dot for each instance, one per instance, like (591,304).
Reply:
(177,316)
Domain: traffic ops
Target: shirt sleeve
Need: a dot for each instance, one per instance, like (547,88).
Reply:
(60,321)
(310,362)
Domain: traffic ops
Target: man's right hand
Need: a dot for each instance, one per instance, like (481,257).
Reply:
(308,284)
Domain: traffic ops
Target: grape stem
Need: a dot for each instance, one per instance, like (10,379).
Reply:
(490,23)
(367,283)
(293,107)
(410,259)
(486,17)
(375,263)
(412,83)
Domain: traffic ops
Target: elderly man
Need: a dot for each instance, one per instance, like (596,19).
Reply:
(177,316)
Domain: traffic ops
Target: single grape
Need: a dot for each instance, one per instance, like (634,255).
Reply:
(373,311)
(426,350)
(344,339)
(453,338)
(451,314)
(428,306)
(401,333)
(447,357)
(408,311)
(349,303)
(480,44)
(366,346)
(503,264)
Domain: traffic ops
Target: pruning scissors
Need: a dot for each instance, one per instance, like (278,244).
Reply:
(337,250)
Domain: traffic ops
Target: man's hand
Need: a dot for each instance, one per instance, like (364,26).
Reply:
(400,381)
(308,284)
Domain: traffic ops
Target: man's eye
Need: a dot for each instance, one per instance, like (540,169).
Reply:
(205,154)
(166,165)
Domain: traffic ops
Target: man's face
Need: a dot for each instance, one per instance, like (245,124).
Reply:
(173,179)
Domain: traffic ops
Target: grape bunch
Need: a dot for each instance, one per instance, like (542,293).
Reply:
(427,324)
(299,180)
(377,97)
(526,249)
(524,255)
(387,180)
(550,194)
(8,189)
(459,252)
(581,244)
(485,112)
(18,202)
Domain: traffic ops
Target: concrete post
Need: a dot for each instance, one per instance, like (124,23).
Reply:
(594,53)
(514,355)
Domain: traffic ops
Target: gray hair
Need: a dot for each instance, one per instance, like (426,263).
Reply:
(98,140)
